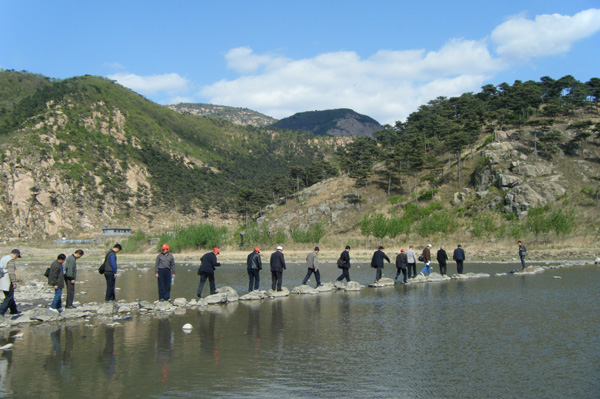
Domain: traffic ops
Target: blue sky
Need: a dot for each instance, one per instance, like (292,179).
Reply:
(380,58)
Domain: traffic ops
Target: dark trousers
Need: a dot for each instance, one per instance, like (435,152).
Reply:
(211,280)
(345,275)
(254,276)
(317,276)
(412,270)
(110,286)
(70,291)
(378,273)
(164,284)
(522,262)
(276,280)
(9,301)
(442,268)
(404,273)
(459,266)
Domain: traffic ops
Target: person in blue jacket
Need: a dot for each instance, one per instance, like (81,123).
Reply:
(208,262)
(110,272)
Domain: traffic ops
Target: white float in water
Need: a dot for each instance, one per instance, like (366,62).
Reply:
(187,328)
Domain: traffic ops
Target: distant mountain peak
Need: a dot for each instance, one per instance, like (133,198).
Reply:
(239,116)
(332,122)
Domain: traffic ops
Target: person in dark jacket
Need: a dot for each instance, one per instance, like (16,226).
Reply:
(312,263)
(254,268)
(401,265)
(427,260)
(377,262)
(208,262)
(110,272)
(277,267)
(71,276)
(459,258)
(522,254)
(442,258)
(164,270)
(56,279)
(345,264)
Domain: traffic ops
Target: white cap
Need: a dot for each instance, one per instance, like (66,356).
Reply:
(279,247)
(429,245)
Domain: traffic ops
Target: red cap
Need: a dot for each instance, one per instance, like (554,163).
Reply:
(166,246)
(256,249)
(216,250)
(402,250)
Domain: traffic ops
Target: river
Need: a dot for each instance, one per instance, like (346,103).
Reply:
(500,337)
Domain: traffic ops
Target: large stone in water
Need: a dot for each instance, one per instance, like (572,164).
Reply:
(304,289)
(216,299)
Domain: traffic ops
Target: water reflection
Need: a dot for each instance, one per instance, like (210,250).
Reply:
(59,362)
(107,356)
(163,347)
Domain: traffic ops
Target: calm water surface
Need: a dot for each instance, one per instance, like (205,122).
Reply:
(509,337)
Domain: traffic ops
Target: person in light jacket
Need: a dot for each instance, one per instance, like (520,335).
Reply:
(411,258)
(164,270)
(8,282)
(312,263)
(71,276)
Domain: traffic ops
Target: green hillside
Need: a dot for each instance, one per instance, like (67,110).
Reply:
(99,138)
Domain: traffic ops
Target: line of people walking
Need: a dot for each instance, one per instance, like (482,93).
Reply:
(63,271)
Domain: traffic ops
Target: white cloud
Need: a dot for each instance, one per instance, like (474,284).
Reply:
(170,83)
(520,39)
(387,86)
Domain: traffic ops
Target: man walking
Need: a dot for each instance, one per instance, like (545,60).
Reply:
(344,264)
(442,258)
(110,272)
(254,268)
(522,254)
(459,258)
(8,281)
(208,262)
(56,279)
(411,258)
(71,276)
(312,262)
(377,262)
(164,270)
(427,259)
(401,264)
(277,267)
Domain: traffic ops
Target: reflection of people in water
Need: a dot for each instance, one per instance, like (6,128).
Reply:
(253,329)
(209,342)
(107,357)
(60,362)
(163,348)
(5,372)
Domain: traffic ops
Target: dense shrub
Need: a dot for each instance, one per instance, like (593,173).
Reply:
(195,236)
